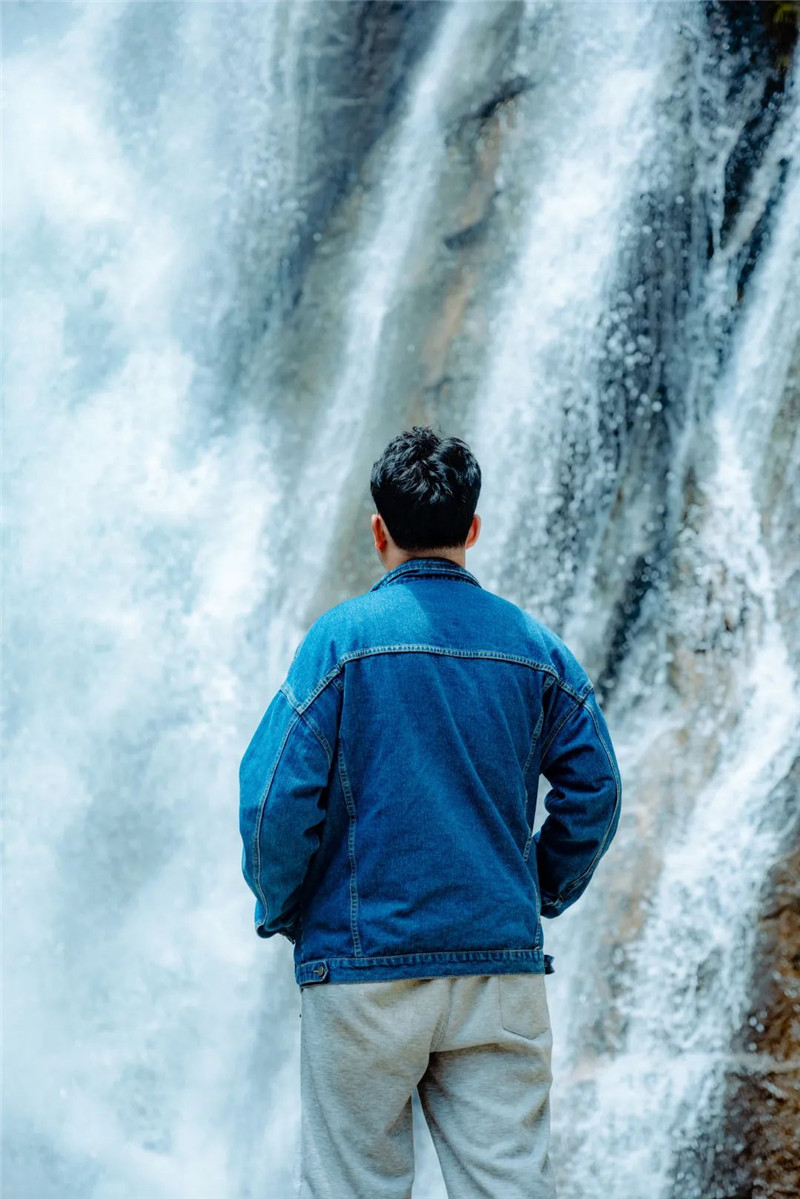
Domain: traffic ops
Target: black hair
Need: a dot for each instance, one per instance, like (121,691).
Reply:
(426,488)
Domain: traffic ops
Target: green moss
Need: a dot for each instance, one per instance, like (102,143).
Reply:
(787,12)
(783,21)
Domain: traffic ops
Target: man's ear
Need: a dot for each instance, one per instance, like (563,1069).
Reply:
(474,531)
(378,531)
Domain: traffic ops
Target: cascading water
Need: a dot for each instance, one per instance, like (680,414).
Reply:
(138,531)
(686,985)
(220,303)
(392,215)
(593,127)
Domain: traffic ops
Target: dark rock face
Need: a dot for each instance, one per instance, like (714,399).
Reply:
(756,1151)
(778,493)
(661,308)
(756,42)
(368,51)
(347,69)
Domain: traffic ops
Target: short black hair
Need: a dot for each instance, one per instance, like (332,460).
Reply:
(426,488)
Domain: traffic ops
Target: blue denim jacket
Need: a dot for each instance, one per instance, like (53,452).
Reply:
(387,797)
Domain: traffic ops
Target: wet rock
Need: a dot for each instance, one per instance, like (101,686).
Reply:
(756,1151)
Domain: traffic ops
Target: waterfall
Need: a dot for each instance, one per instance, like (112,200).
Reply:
(245,245)
(138,535)
(393,212)
(538,364)
(686,987)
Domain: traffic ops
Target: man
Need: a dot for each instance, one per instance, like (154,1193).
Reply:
(387,803)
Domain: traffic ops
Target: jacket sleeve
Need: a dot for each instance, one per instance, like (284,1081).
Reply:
(283,779)
(583,805)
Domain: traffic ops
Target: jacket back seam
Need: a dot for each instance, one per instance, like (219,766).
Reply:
(309,722)
(557,730)
(261,808)
(351,849)
(534,739)
(447,651)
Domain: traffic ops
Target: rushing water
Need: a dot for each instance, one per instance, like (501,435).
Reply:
(595,126)
(177,503)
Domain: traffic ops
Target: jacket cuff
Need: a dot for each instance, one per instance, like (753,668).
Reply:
(551,907)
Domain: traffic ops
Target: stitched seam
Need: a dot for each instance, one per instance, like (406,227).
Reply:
(422,647)
(534,739)
(326,679)
(310,723)
(528,760)
(260,820)
(320,737)
(494,655)
(351,851)
(436,1042)
(426,570)
(617,793)
(445,955)
(430,574)
(557,730)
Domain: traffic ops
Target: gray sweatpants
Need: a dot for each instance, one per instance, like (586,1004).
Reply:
(477,1047)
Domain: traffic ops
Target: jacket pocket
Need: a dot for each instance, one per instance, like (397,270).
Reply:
(523,1004)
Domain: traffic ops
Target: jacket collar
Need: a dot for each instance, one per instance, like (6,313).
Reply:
(416,567)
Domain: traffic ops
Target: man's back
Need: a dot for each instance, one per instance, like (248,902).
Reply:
(387,804)
(401,758)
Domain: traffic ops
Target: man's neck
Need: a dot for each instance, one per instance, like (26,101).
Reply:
(459,556)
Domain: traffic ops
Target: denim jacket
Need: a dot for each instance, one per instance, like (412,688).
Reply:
(387,798)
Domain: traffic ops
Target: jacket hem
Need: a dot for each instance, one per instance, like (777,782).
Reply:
(423,965)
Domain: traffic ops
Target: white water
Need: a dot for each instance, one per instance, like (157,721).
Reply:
(151,1041)
(388,223)
(590,153)
(639,1109)
(137,550)
(635,1114)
